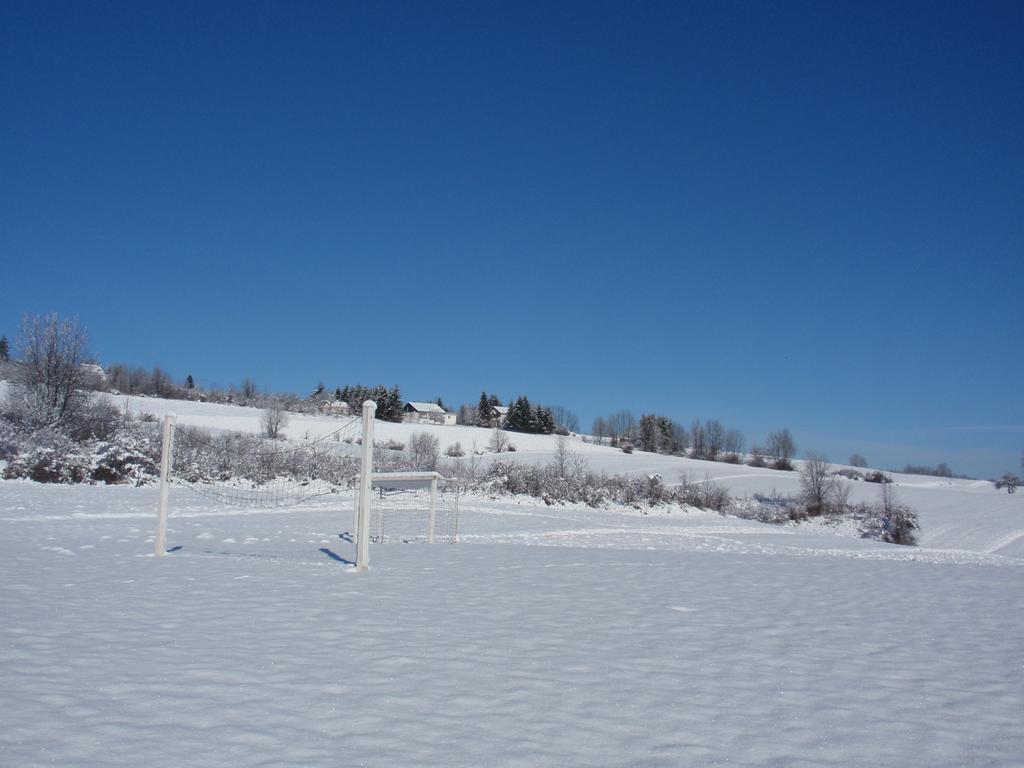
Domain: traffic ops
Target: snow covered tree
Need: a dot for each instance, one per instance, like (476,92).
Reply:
(337,394)
(520,415)
(483,411)
(52,352)
(424,451)
(543,420)
(5,349)
(818,485)
(856,460)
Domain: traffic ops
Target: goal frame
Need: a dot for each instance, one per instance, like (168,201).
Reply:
(420,477)
(363,490)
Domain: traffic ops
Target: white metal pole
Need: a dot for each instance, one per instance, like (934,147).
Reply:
(433,510)
(365,482)
(165,484)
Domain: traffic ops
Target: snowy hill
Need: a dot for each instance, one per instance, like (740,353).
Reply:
(955,514)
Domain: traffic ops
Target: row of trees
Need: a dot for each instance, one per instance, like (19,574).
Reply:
(524,417)
(389,401)
(709,440)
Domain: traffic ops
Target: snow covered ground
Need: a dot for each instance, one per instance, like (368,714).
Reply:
(549,636)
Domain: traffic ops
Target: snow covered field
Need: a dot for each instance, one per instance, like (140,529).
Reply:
(629,639)
(547,636)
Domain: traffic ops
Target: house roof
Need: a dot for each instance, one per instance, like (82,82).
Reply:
(426,407)
(501,410)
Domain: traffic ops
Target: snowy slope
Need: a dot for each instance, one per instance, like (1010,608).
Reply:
(550,636)
(954,514)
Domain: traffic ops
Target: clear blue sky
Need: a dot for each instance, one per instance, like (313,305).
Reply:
(775,214)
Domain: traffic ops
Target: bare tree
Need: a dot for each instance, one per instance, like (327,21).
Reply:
(782,448)
(757,456)
(698,438)
(714,436)
(275,419)
(817,484)
(52,352)
(734,444)
(424,451)
(248,388)
(856,460)
(499,440)
(565,418)
(566,463)
(600,429)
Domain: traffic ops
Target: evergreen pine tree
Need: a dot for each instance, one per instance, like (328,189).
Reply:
(395,403)
(520,415)
(190,382)
(5,349)
(545,420)
(483,411)
(337,394)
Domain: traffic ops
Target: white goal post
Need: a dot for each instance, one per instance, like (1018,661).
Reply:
(414,506)
(389,506)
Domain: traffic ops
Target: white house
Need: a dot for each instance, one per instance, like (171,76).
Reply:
(498,415)
(427,413)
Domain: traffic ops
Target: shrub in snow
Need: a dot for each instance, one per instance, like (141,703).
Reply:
(627,447)
(851,474)
(390,445)
(877,477)
(52,457)
(703,494)
(454,451)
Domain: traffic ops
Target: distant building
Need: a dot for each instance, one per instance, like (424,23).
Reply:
(427,413)
(498,415)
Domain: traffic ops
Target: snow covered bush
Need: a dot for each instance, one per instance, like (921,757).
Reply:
(131,456)
(704,494)
(454,451)
(50,456)
(203,457)
(8,440)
